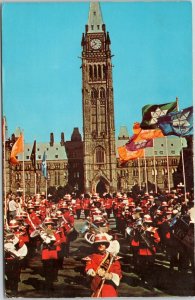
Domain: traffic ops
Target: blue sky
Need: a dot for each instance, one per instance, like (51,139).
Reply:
(152,47)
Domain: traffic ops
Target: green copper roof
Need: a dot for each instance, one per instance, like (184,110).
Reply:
(123,134)
(56,152)
(95,20)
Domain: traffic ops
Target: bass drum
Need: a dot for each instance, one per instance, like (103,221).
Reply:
(72,235)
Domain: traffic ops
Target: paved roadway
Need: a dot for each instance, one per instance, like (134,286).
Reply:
(72,281)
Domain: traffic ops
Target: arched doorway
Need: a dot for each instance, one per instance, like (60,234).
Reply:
(101,188)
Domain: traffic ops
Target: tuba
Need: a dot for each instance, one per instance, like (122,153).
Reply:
(147,240)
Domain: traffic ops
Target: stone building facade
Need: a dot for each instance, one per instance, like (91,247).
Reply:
(57,166)
(74,150)
(166,157)
(65,165)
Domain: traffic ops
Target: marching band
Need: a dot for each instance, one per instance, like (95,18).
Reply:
(149,223)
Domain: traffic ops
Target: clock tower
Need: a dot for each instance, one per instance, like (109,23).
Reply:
(98,106)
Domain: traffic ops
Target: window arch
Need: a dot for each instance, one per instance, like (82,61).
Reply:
(104,72)
(99,72)
(90,73)
(28,188)
(99,155)
(95,72)
(93,93)
(102,93)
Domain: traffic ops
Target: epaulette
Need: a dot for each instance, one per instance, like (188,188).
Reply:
(86,258)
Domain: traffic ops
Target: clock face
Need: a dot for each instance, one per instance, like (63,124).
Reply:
(95,44)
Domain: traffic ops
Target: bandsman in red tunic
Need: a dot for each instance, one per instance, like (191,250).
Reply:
(108,204)
(33,221)
(148,239)
(78,206)
(68,227)
(51,246)
(104,269)
(86,205)
(15,251)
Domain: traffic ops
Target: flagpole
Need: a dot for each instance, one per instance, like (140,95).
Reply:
(35,183)
(168,173)
(182,157)
(4,173)
(139,173)
(23,170)
(46,188)
(154,159)
(35,168)
(146,177)
(183,168)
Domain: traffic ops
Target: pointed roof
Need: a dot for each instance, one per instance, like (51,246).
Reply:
(123,134)
(95,20)
(17,132)
(76,136)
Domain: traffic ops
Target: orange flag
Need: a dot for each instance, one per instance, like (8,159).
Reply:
(17,148)
(126,155)
(147,134)
(136,128)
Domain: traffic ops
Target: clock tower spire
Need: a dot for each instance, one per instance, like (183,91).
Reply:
(95,20)
(98,106)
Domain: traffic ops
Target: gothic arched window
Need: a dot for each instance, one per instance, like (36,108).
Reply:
(90,73)
(93,93)
(95,72)
(58,178)
(104,72)
(99,155)
(102,93)
(99,72)
(28,188)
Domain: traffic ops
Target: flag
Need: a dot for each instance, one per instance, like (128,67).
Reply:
(151,113)
(17,148)
(132,145)
(149,134)
(177,123)
(125,155)
(136,128)
(33,156)
(44,165)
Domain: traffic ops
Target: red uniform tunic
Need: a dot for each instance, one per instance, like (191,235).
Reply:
(50,250)
(79,204)
(69,217)
(86,204)
(153,237)
(109,288)
(108,203)
(33,221)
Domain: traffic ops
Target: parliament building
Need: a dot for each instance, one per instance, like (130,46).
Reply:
(89,162)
